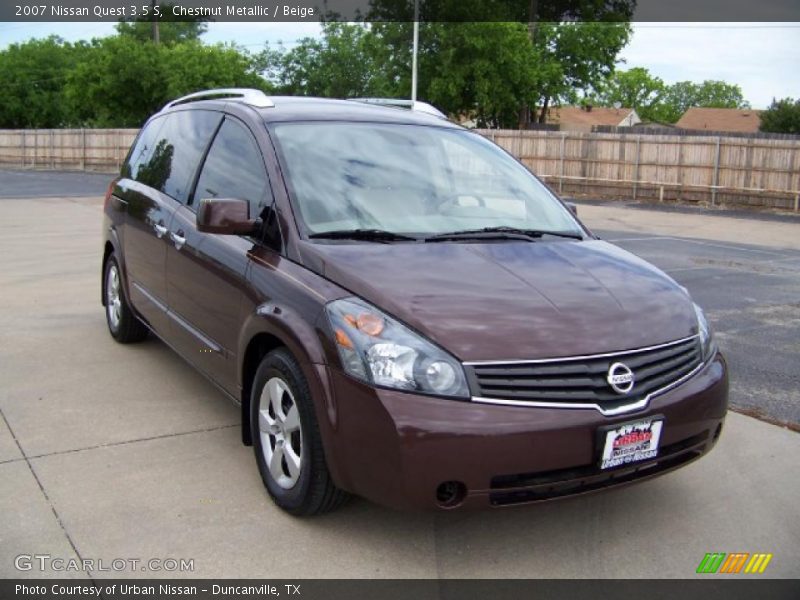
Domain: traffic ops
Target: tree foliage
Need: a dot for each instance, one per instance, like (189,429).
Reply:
(32,77)
(486,70)
(634,88)
(116,81)
(782,116)
(171,29)
(656,101)
(574,59)
(683,95)
(498,73)
(341,64)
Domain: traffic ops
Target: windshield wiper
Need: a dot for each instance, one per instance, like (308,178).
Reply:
(502,232)
(369,235)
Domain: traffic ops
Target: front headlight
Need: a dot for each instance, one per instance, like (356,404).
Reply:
(378,349)
(706,335)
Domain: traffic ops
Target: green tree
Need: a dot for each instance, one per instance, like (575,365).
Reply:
(341,64)
(32,77)
(634,88)
(576,58)
(120,83)
(656,101)
(193,66)
(486,70)
(171,29)
(782,116)
(683,95)
(123,81)
(478,70)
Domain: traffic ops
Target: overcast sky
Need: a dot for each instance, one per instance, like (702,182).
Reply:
(763,58)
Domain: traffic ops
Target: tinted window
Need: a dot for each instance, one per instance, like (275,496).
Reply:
(142,149)
(176,152)
(234,169)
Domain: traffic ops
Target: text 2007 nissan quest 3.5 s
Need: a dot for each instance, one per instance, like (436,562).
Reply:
(401,309)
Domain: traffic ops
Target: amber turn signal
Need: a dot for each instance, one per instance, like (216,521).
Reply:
(343,340)
(370,323)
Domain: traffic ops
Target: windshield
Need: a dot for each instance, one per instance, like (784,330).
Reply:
(410,179)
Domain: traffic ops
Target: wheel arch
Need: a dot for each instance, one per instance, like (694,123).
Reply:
(271,327)
(261,344)
(112,246)
(108,250)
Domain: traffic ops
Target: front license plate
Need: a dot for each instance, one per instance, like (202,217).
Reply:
(630,442)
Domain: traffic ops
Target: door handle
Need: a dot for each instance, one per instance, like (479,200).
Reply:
(160,230)
(177,239)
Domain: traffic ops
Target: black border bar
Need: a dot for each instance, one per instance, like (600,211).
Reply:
(403,10)
(709,587)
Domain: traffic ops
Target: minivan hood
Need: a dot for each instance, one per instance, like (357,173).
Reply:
(514,300)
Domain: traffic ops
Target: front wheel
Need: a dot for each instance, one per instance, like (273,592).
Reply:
(286,439)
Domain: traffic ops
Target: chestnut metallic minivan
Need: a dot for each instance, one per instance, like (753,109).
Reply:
(401,309)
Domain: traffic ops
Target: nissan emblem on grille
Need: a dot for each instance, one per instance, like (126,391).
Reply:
(620,378)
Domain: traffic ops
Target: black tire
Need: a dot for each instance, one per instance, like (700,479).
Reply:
(311,491)
(124,326)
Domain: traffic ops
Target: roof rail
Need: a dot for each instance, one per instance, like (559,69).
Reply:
(250,96)
(417,106)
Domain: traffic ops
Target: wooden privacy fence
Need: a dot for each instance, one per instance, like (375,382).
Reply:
(716,170)
(84,149)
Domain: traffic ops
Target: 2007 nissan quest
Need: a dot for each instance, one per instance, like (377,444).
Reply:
(402,310)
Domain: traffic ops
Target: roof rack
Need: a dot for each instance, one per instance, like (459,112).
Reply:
(417,106)
(250,96)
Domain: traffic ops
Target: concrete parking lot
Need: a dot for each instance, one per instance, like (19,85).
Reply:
(112,452)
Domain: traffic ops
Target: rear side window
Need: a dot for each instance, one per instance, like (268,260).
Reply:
(176,152)
(234,168)
(142,149)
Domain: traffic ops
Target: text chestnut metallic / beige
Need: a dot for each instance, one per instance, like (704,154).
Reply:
(401,309)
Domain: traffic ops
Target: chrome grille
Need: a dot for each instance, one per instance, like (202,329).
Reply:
(579,382)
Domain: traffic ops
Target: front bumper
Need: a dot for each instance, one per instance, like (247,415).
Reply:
(396,448)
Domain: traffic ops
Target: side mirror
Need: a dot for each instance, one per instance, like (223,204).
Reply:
(573,208)
(228,216)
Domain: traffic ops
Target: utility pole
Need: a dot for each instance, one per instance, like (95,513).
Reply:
(525,116)
(414,53)
(154,20)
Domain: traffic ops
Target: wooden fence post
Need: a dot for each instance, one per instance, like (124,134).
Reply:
(561,167)
(636,168)
(22,149)
(35,146)
(797,189)
(716,173)
(83,149)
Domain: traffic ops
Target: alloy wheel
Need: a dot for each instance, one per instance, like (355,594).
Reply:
(113,297)
(281,433)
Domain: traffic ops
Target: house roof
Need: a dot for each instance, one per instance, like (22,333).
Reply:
(721,119)
(578,115)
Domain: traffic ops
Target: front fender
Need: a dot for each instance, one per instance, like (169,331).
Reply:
(287,325)
(288,328)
